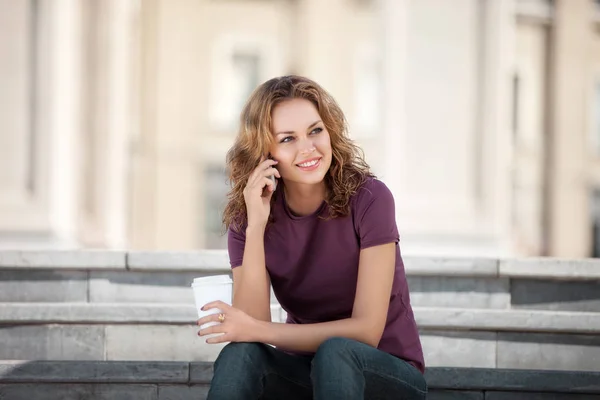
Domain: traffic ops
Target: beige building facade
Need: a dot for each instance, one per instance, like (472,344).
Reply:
(483,116)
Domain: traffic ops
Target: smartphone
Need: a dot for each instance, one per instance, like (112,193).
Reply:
(272,177)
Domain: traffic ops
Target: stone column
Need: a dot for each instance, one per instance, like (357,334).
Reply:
(65,118)
(165,187)
(24,133)
(108,55)
(393,31)
(322,48)
(568,213)
(445,122)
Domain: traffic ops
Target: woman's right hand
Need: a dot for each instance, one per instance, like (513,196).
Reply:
(258,192)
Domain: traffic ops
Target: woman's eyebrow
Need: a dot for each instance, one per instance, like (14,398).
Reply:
(292,132)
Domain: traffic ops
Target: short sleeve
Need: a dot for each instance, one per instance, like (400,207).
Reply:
(236,242)
(375,215)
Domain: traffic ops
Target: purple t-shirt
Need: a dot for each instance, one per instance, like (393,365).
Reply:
(313,264)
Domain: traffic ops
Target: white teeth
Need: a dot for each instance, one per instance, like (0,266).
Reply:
(308,164)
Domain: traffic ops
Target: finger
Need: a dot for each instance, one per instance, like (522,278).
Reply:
(271,171)
(208,318)
(258,171)
(265,185)
(211,329)
(268,162)
(219,339)
(264,165)
(259,184)
(217,304)
(269,184)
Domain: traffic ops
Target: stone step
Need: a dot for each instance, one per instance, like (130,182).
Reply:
(74,380)
(426,317)
(451,337)
(136,277)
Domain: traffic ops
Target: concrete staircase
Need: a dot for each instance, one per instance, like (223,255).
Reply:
(526,314)
(149,380)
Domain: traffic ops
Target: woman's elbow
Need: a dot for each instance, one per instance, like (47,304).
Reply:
(373,339)
(370,333)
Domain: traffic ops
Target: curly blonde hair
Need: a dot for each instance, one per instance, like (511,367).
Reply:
(348,170)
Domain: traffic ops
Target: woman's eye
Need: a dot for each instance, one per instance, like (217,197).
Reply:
(285,139)
(317,130)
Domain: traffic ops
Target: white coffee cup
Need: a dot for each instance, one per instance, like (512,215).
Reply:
(208,289)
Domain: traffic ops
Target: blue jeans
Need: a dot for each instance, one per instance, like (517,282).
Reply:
(340,369)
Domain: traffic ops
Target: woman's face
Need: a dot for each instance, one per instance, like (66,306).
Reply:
(302,145)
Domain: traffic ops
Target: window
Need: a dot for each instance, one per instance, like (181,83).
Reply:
(240,61)
(246,66)
(367,92)
(214,192)
(239,76)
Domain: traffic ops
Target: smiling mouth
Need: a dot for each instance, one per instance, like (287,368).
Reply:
(310,163)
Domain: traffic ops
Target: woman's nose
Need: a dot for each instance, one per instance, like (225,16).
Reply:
(307,146)
(308,150)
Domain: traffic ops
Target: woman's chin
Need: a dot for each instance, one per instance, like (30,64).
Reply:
(317,179)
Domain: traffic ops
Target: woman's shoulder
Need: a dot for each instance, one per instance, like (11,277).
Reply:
(371,189)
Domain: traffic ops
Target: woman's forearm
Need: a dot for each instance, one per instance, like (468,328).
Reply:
(251,288)
(308,337)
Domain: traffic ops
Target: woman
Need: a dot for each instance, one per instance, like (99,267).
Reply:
(325,237)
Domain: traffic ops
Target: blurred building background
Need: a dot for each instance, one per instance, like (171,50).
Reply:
(483,116)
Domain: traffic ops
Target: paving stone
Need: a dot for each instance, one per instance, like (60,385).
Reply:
(47,342)
(201,372)
(215,261)
(556,295)
(43,286)
(459,292)
(181,392)
(37,391)
(150,287)
(459,349)
(538,396)
(549,351)
(554,268)
(158,342)
(444,266)
(93,371)
(454,395)
(77,259)
(513,380)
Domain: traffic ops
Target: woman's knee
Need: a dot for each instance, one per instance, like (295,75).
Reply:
(336,346)
(336,350)
(238,372)
(240,356)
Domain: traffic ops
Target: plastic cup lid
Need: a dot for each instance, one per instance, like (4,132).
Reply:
(211,280)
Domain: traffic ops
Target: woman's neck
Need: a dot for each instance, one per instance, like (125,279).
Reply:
(304,199)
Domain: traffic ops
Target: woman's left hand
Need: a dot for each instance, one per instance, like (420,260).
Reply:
(237,326)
